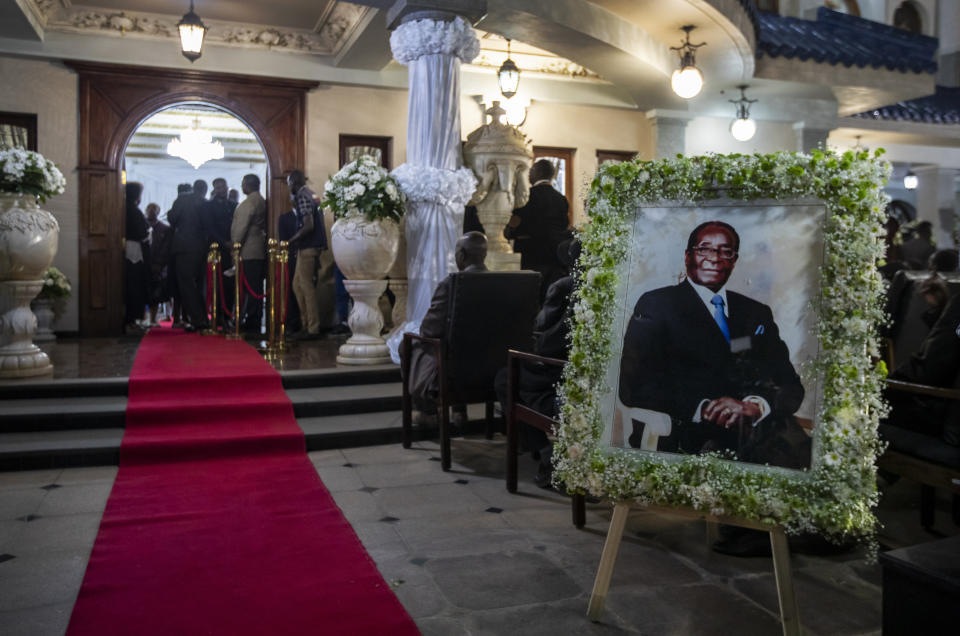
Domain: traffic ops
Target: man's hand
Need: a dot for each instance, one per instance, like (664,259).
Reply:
(728,412)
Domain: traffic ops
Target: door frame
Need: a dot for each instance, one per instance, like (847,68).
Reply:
(114,100)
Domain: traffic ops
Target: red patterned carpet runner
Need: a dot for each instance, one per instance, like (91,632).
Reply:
(218,522)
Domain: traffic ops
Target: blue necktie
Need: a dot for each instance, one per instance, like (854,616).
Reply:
(719,316)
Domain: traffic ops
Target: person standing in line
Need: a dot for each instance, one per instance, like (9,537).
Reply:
(217,213)
(538,228)
(190,253)
(311,239)
(160,239)
(135,256)
(249,228)
(286,228)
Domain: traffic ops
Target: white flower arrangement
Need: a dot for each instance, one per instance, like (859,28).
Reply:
(412,40)
(364,188)
(836,496)
(449,188)
(55,284)
(28,172)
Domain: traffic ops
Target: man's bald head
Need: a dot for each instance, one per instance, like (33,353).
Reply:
(471,250)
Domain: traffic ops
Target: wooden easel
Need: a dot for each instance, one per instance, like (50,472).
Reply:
(789,617)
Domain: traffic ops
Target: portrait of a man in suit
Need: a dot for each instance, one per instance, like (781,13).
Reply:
(704,368)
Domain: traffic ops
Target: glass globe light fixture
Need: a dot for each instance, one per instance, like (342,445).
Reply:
(192,30)
(687,81)
(910,180)
(743,128)
(508,77)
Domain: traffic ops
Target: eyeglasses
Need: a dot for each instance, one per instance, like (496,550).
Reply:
(725,253)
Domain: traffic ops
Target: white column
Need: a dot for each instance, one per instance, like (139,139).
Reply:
(669,132)
(436,184)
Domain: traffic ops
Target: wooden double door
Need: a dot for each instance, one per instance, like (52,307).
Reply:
(114,101)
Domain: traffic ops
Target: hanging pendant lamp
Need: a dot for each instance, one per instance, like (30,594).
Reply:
(192,30)
(687,81)
(743,128)
(508,77)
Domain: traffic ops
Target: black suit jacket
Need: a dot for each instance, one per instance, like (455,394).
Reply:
(189,233)
(674,355)
(543,225)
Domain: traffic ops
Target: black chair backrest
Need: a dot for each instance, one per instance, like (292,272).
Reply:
(907,308)
(491,313)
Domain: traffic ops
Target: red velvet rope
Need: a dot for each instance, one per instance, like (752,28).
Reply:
(246,283)
(223,304)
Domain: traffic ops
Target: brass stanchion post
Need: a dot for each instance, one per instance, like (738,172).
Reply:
(237,282)
(284,255)
(268,346)
(213,257)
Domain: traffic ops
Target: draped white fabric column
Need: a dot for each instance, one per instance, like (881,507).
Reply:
(436,184)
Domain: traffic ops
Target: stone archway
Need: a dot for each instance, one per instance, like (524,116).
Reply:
(114,100)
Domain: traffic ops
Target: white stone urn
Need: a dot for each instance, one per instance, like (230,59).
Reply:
(365,251)
(28,243)
(43,309)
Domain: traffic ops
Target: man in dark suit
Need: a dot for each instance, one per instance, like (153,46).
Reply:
(710,361)
(470,253)
(190,251)
(538,227)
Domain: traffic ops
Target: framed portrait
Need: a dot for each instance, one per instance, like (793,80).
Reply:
(716,328)
(724,350)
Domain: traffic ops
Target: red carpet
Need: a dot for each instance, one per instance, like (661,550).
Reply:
(218,522)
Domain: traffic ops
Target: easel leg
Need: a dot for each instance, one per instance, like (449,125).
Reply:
(604,573)
(789,615)
(713,533)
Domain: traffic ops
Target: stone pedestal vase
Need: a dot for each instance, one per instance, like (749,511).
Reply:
(28,243)
(365,251)
(45,313)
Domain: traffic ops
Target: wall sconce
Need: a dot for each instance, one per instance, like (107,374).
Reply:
(743,128)
(910,180)
(687,81)
(508,77)
(192,30)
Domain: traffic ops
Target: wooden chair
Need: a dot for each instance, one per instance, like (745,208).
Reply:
(926,459)
(517,414)
(490,313)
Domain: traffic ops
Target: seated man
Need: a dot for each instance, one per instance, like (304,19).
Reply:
(538,382)
(936,363)
(470,253)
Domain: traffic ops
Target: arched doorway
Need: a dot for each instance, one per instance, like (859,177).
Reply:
(114,101)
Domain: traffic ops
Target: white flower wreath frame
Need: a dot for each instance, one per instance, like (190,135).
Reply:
(836,496)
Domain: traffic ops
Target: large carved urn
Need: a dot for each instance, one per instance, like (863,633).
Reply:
(28,243)
(500,157)
(365,251)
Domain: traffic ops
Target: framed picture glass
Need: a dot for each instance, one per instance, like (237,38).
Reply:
(18,130)
(615,156)
(354,146)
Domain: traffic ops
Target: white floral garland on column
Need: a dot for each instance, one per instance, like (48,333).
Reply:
(412,40)
(449,188)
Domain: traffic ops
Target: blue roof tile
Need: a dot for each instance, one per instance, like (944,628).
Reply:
(838,38)
(941,108)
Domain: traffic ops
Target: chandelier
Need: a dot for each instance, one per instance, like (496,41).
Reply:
(195,146)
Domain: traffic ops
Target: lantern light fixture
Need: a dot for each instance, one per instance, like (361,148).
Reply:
(910,180)
(743,128)
(192,30)
(508,77)
(687,81)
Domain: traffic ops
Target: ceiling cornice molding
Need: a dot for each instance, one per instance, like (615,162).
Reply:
(339,20)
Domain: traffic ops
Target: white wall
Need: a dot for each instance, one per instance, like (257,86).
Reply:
(49,90)
(712,134)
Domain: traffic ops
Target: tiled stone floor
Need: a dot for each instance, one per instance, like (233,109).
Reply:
(466,557)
